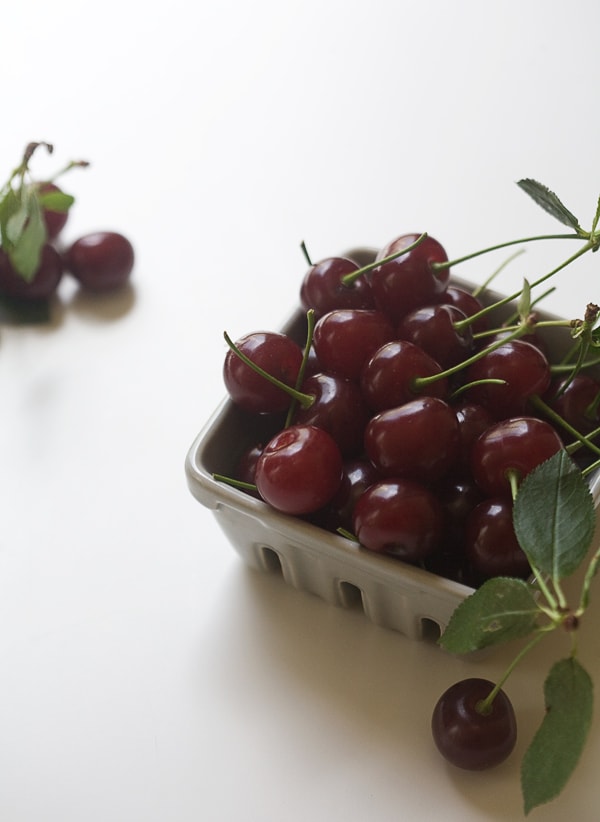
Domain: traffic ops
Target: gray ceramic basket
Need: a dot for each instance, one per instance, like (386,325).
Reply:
(392,594)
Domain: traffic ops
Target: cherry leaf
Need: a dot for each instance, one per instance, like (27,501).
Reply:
(55,200)
(556,747)
(550,202)
(26,252)
(554,516)
(500,610)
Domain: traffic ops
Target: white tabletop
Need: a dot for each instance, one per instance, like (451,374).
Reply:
(146,674)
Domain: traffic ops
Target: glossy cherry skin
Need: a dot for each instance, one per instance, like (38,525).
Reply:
(299,470)
(473,420)
(358,475)
(491,545)
(338,407)
(275,353)
(468,738)
(44,283)
(409,281)
(418,440)
(398,517)
(468,304)
(516,445)
(524,370)
(432,329)
(322,288)
(388,378)
(345,339)
(100,261)
(576,400)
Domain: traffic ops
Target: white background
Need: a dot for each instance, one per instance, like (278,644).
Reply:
(145,673)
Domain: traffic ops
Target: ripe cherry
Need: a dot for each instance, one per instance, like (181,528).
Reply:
(322,288)
(101,261)
(398,517)
(388,378)
(358,475)
(299,470)
(468,304)
(433,329)
(278,355)
(409,281)
(418,440)
(54,221)
(513,446)
(344,339)
(468,735)
(44,283)
(524,371)
(491,545)
(577,400)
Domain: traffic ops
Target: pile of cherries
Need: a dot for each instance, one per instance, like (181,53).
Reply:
(404,417)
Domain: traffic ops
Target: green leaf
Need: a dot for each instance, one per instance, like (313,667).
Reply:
(554,516)
(9,205)
(55,200)
(500,610)
(550,202)
(524,303)
(26,252)
(556,747)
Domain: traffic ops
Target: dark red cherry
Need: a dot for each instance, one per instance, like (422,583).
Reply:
(388,378)
(468,304)
(409,281)
(44,283)
(473,420)
(54,221)
(101,261)
(299,470)
(358,475)
(468,737)
(418,440)
(491,545)
(432,328)
(323,289)
(345,339)
(275,353)
(576,400)
(524,371)
(398,517)
(338,407)
(515,445)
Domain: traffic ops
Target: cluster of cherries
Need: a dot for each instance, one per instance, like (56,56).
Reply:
(100,261)
(406,420)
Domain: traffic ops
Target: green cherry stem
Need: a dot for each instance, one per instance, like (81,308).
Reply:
(348,279)
(305,400)
(245,486)
(486,283)
(310,329)
(549,412)
(474,254)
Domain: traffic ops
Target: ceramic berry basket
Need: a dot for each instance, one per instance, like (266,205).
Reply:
(392,594)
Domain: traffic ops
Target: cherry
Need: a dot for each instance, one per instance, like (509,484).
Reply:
(101,261)
(469,305)
(398,517)
(433,329)
(299,470)
(388,378)
(577,401)
(322,288)
(491,545)
(409,281)
(44,283)
(513,446)
(358,475)
(275,353)
(338,407)
(468,735)
(522,367)
(344,339)
(473,420)
(418,440)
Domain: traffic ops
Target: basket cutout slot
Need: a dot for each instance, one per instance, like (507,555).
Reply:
(351,595)
(431,630)
(271,561)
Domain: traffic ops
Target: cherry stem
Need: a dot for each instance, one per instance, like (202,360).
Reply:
(534,324)
(306,254)
(246,486)
(349,279)
(305,400)
(310,323)
(548,411)
(473,255)
(485,284)
(462,388)
(484,706)
(513,477)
